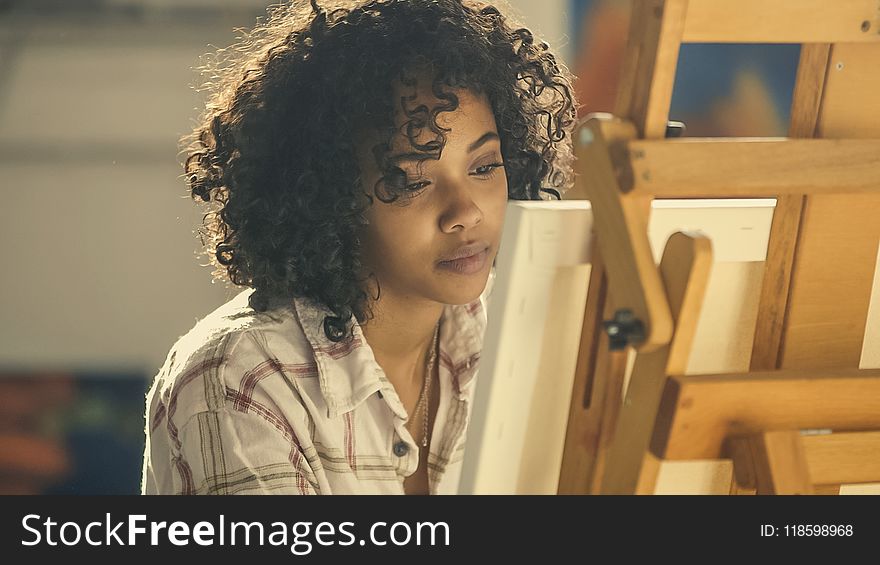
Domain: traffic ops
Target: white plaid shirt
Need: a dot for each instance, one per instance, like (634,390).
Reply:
(250,402)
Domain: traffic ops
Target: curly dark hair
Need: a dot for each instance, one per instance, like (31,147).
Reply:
(275,148)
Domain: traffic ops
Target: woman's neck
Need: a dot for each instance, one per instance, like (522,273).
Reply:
(400,335)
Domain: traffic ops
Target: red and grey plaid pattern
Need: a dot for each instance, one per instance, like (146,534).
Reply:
(250,403)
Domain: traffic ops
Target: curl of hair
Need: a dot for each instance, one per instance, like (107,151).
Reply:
(273,154)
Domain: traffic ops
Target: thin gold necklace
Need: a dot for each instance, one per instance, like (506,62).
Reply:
(426,388)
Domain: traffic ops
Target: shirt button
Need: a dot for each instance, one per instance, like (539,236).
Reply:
(401,448)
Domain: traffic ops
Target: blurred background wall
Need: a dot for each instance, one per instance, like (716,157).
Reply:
(100,273)
(94,95)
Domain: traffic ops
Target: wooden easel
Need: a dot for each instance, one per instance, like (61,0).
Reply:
(821,256)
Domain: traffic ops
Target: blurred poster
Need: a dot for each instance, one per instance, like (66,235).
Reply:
(76,433)
(721,90)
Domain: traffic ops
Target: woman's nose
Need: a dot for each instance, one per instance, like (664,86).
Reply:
(461,211)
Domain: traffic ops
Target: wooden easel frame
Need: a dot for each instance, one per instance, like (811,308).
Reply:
(827,190)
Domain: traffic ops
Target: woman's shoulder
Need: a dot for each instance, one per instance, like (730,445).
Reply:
(223,350)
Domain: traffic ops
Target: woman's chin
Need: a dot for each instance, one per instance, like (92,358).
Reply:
(465,293)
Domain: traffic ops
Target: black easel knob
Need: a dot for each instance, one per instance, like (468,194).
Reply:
(624,329)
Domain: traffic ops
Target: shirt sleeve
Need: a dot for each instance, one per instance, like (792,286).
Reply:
(241,452)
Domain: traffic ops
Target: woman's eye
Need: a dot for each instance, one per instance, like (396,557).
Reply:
(416,186)
(484,171)
(487,170)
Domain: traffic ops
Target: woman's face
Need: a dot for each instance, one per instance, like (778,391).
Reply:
(459,200)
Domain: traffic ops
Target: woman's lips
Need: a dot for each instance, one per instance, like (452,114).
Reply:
(466,265)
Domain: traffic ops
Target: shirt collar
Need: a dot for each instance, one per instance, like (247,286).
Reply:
(348,371)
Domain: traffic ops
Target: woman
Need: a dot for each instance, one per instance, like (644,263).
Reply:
(359,157)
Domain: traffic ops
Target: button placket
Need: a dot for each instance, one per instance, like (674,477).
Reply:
(404,452)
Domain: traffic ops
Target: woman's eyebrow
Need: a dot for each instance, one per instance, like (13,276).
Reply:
(404,157)
(489,135)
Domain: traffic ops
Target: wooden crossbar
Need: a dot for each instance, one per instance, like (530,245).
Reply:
(843,458)
(789,462)
(697,412)
(782,21)
(741,168)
